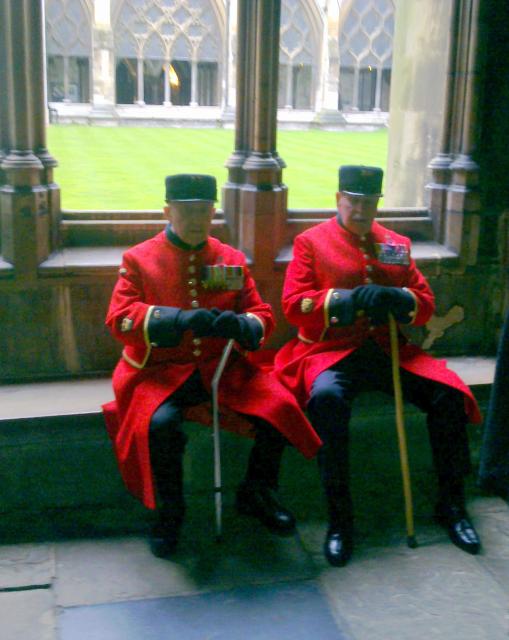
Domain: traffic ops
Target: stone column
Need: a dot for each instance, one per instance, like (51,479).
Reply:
(327,93)
(463,202)
(4,107)
(37,43)
(140,81)
(418,85)
(225,67)
(440,164)
(167,94)
(194,81)
(103,61)
(4,104)
(288,88)
(231,189)
(378,88)
(262,203)
(25,225)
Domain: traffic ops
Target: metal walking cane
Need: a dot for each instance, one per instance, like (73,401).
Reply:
(217,444)
(400,427)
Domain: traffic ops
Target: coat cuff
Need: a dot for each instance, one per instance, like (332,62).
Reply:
(162,327)
(339,308)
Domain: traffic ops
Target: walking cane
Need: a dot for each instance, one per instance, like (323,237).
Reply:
(217,444)
(400,427)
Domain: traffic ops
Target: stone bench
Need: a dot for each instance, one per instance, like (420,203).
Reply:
(59,476)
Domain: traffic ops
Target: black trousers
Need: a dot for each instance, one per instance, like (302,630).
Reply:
(167,444)
(369,369)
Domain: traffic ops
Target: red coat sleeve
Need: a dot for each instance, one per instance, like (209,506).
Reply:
(301,291)
(128,314)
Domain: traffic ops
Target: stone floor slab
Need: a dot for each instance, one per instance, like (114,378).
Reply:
(27,615)
(109,570)
(433,592)
(26,564)
(290,610)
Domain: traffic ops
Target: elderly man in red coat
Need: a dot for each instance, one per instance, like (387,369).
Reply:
(346,276)
(178,299)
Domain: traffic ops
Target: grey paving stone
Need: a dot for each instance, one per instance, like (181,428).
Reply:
(98,571)
(435,592)
(269,612)
(27,615)
(26,564)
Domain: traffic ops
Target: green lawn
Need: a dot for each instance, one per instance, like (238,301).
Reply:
(124,167)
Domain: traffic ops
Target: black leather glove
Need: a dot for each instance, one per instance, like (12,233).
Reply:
(199,321)
(246,331)
(341,308)
(378,301)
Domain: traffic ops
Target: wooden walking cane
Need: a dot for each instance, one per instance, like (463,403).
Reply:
(400,427)
(218,497)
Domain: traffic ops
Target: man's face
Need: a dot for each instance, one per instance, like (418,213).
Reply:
(357,212)
(191,221)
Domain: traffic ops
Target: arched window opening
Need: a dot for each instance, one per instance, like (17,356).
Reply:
(68,50)
(297,58)
(365,51)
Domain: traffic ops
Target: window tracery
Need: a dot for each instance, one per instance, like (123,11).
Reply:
(365,50)
(68,49)
(183,37)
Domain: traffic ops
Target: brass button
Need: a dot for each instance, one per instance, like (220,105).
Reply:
(195,304)
(363,238)
(192,258)
(193,292)
(191,282)
(369,267)
(197,352)
(122,271)
(154,344)
(157,313)
(371,327)
(191,269)
(366,256)
(334,320)
(336,295)
(196,341)
(368,280)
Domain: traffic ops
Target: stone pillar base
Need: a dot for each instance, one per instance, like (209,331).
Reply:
(25,228)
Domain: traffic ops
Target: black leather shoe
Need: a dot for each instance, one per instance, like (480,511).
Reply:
(164,536)
(461,531)
(263,503)
(338,547)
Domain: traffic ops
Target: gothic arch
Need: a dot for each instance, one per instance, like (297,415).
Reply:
(300,56)
(68,25)
(186,36)
(366,30)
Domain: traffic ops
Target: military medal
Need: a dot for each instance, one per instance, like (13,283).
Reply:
(224,277)
(392,253)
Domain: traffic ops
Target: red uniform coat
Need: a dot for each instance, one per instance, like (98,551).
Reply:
(328,257)
(157,272)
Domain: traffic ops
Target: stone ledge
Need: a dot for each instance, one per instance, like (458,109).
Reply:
(85,396)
